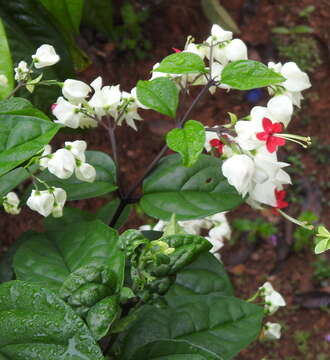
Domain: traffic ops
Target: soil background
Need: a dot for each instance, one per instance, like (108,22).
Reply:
(291,273)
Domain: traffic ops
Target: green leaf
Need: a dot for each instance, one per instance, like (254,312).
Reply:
(66,12)
(75,215)
(49,258)
(203,276)
(88,285)
(187,248)
(249,74)
(302,29)
(217,14)
(160,94)
(216,327)
(322,240)
(76,190)
(281,30)
(101,316)
(23,133)
(181,63)
(67,15)
(6,64)
(36,324)
(12,179)
(189,141)
(29,25)
(190,193)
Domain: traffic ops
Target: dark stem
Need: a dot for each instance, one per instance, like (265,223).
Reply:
(125,199)
(18,86)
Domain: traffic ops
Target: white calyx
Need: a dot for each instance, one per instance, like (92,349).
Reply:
(45,56)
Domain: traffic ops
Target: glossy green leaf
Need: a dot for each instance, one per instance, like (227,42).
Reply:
(23,133)
(29,25)
(190,193)
(160,94)
(101,316)
(189,141)
(36,324)
(249,74)
(203,276)
(181,63)
(49,258)
(12,179)
(104,183)
(66,12)
(6,65)
(216,327)
(187,248)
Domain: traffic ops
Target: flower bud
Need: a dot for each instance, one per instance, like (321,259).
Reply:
(272,331)
(62,164)
(21,71)
(10,203)
(43,162)
(41,201)
(60,199)
(45,56)
(85,172)
(239,171)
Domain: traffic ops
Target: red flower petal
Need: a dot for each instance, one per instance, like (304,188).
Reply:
(215,142)
(176,50)
(267,125)
(277,127)
(271,144)
(263,136)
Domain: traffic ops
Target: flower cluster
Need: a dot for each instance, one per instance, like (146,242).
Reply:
(84,105)
(68,160)
(250,147)
(45,56)
(216,225)
(46,202)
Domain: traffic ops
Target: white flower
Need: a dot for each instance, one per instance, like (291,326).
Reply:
(210,135)
(43,162)
(218,34)
(67,114)
(199,50)
(279,109)
(3,80)
(45,56)
(62,164)
(77,148)
(273,299)
(59,201)
(21,71)
(85,172)
(10,203)
(41,201)
(272,331)
(105,99)
(296,80)
(239,171)
(75,91)
(128,110)
(236,50)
